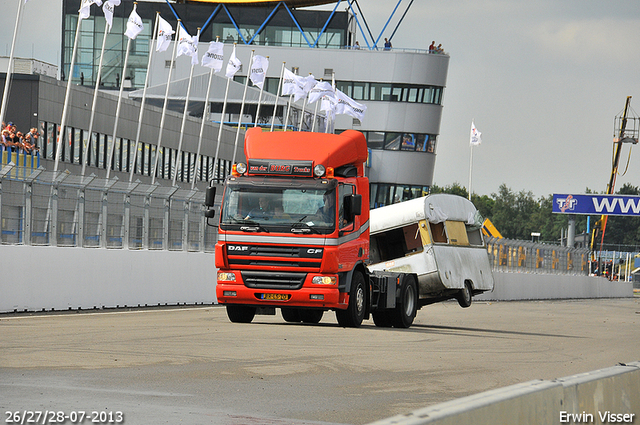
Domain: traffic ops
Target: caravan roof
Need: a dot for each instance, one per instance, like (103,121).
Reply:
(434,208)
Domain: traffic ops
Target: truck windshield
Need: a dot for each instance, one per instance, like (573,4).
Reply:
(302,210)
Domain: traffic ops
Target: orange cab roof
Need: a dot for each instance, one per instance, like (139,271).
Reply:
(330,150)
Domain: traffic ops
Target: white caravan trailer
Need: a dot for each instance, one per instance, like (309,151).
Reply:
(437,237)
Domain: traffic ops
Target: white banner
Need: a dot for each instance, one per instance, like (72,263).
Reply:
(234,64)
(322,88)
(259,70)
(214,57)
(85,7)
(134,24)
(348,106)
(108,8)
(475,138)
(187,45)
(165,31)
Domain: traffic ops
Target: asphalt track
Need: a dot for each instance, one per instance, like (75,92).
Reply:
(191,366)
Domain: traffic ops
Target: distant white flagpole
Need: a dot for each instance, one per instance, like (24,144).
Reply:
(207,105)
(67,96)
(216,169)
(470,169)
(5,97)
(95,99)
(184,121)
(275,104)
(315,115)
(115,123)
(164,107)
(304,105)
(286,119)
(132,163)
(244,96)
(474,140)
(260,98)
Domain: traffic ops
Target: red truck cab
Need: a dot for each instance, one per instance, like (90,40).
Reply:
(294,228)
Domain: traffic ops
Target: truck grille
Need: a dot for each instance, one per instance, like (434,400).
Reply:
(309,258)
(273,280)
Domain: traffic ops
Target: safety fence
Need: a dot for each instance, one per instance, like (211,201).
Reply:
(40,207)
(509,255)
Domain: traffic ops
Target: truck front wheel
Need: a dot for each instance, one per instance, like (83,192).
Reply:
(353,316)
(241,313)
(405,311)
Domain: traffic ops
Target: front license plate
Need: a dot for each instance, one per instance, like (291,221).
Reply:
(276,297)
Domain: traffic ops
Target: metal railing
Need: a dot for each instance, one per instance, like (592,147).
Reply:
(508,255)
(39,207)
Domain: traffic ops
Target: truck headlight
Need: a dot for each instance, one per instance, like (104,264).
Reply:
(226,277)
(324,280)
(318,170)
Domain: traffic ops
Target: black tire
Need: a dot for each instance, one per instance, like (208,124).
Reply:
(241,313)
(404,313)
(353,316)
(465,295)
(382,319)
(291,315)
(311,316)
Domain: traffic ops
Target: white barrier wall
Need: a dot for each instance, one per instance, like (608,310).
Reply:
(36,278)
(603,396)
(532,286)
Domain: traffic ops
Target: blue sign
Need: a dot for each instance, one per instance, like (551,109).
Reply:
(597,204)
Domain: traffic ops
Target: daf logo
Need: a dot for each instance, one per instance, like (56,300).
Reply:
(314,251)
(237,248)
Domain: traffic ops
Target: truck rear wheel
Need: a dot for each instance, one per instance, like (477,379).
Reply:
(404,313)
(241,313)
(382,319)
(464,297)
(353,316)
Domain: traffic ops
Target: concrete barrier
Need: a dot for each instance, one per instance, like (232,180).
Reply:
(610,395)
(532,286)
(36,278)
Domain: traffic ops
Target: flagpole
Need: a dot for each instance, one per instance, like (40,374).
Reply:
(207,107)
(315,115)
(184,119)
(5,97)
(275,104)
(115,124)
(164,108)
(224,108)
(470,170)
(132,163)
(93,104)
(65,109)
(304,105)
(260,97)
(244,95)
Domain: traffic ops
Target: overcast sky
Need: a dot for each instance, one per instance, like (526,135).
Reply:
(543,81)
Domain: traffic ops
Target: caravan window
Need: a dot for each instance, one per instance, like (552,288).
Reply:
(395,243)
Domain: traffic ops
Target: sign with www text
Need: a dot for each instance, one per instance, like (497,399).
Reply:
(596,204)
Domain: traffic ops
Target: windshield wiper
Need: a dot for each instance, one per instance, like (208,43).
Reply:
(303,228)
(253,226)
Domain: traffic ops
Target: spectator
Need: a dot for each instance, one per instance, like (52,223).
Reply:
(31,140)
(432,47)
(356,46)
(439,49)
(387,44)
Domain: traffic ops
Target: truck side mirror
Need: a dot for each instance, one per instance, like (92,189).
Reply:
(209,199)
(352,205)
(210,196)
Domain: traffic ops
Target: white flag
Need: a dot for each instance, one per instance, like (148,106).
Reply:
(307,83)
(322,88)
(259,70)
(234,64)
(187,45)
(214,57)
(85,7)
(289,83)
(348,106)
(476,138)
(329,105)
(134,24)
(108,8)
(165,31)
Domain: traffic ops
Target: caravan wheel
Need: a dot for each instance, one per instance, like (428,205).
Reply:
(464,297)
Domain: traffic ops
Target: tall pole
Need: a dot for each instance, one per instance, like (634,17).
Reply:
(5,97)
(67,96)
(470,169)
(275,104)
(260,99)
(244,96)
(115,124)
(164,110)
(184,119)
(142,102)
(216,169)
